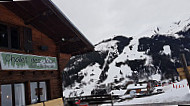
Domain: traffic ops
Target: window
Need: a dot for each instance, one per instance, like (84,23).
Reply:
(34,96)
(28,40)
(19,94)
(43,96)
(9,37)
(13,95)
(6,95)
(15,42)
(38,92)
(3,36)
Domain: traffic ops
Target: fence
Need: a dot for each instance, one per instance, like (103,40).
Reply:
(93,99)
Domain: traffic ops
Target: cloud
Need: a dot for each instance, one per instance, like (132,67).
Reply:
(101,19)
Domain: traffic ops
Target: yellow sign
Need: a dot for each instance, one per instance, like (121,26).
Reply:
(55,102)
(182,73)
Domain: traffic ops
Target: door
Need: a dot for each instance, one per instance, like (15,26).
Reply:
(38,92)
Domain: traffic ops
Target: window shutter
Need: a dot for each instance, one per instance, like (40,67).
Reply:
(28,40)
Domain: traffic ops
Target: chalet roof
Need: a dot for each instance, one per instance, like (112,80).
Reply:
(45,16)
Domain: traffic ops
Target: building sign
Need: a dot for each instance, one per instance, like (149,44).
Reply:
(14,61)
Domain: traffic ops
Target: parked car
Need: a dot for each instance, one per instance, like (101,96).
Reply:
(144,88)
(158,89)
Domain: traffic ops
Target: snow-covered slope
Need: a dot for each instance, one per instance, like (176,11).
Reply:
(169,29)
(153,54)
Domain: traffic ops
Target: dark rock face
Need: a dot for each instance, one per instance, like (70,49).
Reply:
(167,64)
(123,41)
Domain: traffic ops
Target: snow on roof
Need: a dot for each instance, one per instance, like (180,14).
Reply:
(138,86)
(118,92)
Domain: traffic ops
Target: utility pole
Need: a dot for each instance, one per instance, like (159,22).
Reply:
(184,63)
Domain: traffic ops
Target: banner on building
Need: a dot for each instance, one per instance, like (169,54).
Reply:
(15,61)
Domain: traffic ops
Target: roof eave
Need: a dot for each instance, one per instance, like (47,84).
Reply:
(63,17)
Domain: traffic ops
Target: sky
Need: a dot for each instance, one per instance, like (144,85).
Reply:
(103,19)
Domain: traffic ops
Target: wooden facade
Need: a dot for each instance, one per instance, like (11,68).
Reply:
(40,37)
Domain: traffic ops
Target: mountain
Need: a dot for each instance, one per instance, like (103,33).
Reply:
(153,54)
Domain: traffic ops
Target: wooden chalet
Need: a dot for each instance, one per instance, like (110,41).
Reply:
(36,42)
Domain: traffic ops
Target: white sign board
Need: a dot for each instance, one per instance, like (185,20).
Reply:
(15,61)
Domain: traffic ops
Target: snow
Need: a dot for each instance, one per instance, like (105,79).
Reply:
(106,46)
(138,86)
(171,95)
(89,79)
(167,28)
(167,50)
(118,92)
(114,72)
(127,54)
(133,54)
(156,77)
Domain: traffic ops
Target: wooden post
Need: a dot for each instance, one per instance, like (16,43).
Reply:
(62,62)
(184,63)
(27,93)
(111,100)
(0,94)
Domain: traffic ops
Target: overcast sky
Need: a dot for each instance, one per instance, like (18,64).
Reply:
(102,19)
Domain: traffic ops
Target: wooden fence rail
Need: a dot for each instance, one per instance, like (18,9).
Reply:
(93,99)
